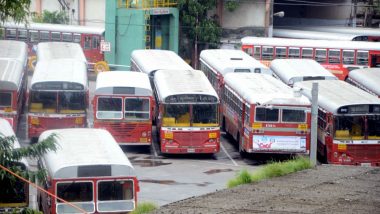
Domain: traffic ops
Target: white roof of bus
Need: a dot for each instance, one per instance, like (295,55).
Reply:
(225,61)
(60,50)
(263,89)
(310,43)
(367,77)
(333,94)
(60,70)
(14,50)
(174,82)
(345,30)
(85,147)
(57,28)
(294,70)
(150,61)
(11,73)
(305,34)
(106,81)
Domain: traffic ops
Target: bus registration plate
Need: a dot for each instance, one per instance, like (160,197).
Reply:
(190,150)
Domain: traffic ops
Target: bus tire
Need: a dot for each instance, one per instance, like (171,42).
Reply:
(101,66)
(32,60)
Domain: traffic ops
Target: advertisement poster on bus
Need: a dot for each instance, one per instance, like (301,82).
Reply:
(264,142)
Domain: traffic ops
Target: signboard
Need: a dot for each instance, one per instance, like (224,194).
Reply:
(105,46)
(191,98)
(265,142)
(160,11)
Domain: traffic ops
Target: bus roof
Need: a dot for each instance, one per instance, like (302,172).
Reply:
(295,70)
(60,70)
(81,150)
(334,94)
(11,74)
(345,30)
(57,28)
(368,78)
(308,34)
(263,89)
(14,50)
(182,82)
(112,82)
(149,61)
(227,61)
(60,50)
(310,43)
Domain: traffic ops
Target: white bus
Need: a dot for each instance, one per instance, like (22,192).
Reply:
(348,123)
(13,195)
(13,80)
(123,104)
(89,170)
(58,96)
(60,50)
(216,63)
(366,34)
(367,79)
(188,109)
(291,71)
(264,115)
(319,35)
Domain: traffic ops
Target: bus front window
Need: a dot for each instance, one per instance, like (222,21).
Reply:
(349,127)
(109,108)
(205,115)
(115,195)
(80,193)
(373,123)
(176,115)
(43,102)
(137,108)
(72,102)
(5,99)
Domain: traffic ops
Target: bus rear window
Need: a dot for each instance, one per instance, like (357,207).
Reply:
(137,108)
(267,115)
(114,195)
(109,108)
(291,115)
(75,191)
(5,99)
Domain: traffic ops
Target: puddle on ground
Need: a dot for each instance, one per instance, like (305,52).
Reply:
(149,163)
(214,171)
(171,182)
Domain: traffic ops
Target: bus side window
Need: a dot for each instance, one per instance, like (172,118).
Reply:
(87,42)
(257,52)
(294,53)
(77,38)
(348,57)
(55,36)
(320,55)
(2,30)
(267,53)
(44,36)
(33,36)
(10,34)
(362,58)
(307,53)
(67,37)
(334,56)
(95,42)
(22,35)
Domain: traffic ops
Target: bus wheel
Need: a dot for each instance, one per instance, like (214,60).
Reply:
(101,66)
(32,60)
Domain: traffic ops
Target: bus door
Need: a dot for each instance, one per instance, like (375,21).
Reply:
(374,57)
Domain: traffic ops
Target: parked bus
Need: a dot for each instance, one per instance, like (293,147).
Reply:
(13,80)
(58,96)
(13,194)
(339,57)
(367,79)
(264,115)
(319,35)
(291,71)
(123,104)
(348,123)
(60,50)
(88,37)
(216,63)
(188,109)
(89,170)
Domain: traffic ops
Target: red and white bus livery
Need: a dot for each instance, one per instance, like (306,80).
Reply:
(216,63)
(264,115)
(367,79)
(348,123)
(339,57)
(13,80)
(123,104)
(291,71)
(188,109)
(88,170)
(58,96)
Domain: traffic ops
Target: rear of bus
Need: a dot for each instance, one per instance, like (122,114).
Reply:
(58,99)
(123,105)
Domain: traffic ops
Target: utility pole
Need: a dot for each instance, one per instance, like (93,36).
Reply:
(313,128)
(354,17)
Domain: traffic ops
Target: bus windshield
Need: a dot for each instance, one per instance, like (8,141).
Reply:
(72,102)
(81,193)
(5,99)
(201,115)
(109,108)
(205,115)
(354,127)
(112,195)
(137,108)
(57,102)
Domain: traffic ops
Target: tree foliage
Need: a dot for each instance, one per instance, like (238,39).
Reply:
(55,17)
(17,10)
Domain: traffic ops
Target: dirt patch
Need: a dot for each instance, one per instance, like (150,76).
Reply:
(325,189)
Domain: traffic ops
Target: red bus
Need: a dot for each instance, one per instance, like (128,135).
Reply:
(123,104)
(339,57)
(348,123)
(188,109)
(57,96)
(13,80)
(90,171)
(264,115)
(367,79)
(88,37)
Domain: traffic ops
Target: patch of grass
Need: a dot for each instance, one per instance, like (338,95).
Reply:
(271,170)
(144,207)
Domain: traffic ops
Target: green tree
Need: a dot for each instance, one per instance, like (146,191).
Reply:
(55,17)
(18,10)
(200,29)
